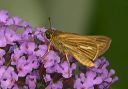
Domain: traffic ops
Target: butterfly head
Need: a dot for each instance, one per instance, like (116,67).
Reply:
(49,33)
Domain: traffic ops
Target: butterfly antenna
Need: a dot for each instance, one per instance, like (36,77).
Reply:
(49,22)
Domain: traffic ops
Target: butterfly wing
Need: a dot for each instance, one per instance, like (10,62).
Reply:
(85,49)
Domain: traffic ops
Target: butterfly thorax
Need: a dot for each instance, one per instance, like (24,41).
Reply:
(54,37)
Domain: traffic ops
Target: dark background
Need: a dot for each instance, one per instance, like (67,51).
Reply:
(92,17)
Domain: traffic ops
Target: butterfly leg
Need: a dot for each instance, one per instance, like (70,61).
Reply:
(68,64)
(47,51)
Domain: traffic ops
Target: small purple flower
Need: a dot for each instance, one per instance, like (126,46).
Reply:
(39,33)
(57,85)
(32,59)
(41,51)
(52,69)
(11,36)
(16,20)
(16,55)
(31,81)
(28,47)
(23,67)
(7,36)
(3,16)
(65,69)
(25,24)
(51,59)
(26,34)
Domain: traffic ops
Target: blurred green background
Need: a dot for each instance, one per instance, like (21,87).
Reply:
(92,17)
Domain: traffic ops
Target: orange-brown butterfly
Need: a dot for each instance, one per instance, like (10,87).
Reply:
(84,49)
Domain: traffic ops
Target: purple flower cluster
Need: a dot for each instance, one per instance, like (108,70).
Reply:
(22,66)
(97,77)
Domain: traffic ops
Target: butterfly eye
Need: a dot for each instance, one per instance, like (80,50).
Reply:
(48,34)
